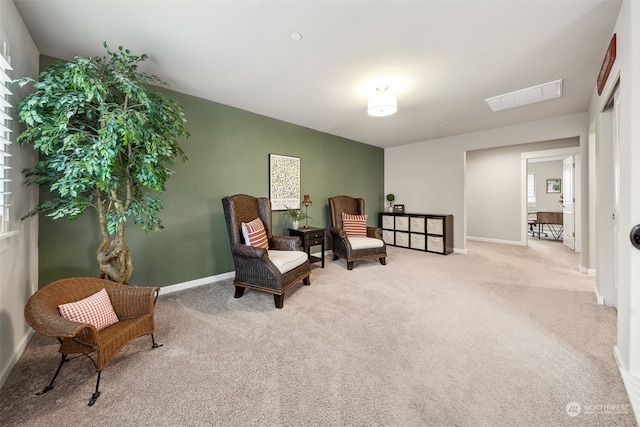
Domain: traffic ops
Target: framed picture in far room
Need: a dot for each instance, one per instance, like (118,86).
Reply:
(553,185)
(398,208)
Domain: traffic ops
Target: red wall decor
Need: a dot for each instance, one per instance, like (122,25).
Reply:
(607,63)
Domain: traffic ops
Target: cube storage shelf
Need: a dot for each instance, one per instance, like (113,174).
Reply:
(422,232)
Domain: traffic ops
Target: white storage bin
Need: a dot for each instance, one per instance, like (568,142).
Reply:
(387,222)
(402,223)
(435,244)
(418,241)
(434,226)
(416,224)
(402,239)
(388,237)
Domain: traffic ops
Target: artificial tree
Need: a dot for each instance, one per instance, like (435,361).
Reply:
(107,141)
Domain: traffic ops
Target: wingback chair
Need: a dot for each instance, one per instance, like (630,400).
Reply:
(273,269)
(368,246)
(133,308)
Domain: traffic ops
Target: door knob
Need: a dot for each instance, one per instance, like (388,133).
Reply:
(635,236)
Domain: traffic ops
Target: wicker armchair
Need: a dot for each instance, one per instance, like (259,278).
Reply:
(134,307)
(257,268)
(364,248)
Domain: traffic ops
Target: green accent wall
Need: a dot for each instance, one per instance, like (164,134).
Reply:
(228,154)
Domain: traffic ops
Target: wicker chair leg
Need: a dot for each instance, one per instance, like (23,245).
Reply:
(279,300)
(239,291)
(349,265)
(383,261)
(307,281)
(50,386)
(96,394)
(335,257)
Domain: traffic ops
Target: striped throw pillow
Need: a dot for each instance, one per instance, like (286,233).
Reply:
(255,234)
(95,310)
(354,225)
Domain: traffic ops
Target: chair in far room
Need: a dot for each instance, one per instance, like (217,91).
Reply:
(353,240)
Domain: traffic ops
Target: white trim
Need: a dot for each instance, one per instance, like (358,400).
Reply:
(631,383)
(599,298)
(585,270)
(554,152)
(4,239)
(17,353)
(503,242)
(195,283)
(460,251)
(8,234)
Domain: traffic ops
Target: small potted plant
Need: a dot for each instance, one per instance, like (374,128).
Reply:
(391,197)
(296,216)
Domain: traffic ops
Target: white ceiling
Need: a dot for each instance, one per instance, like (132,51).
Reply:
(442,57)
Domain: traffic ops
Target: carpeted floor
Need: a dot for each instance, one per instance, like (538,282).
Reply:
(501,336)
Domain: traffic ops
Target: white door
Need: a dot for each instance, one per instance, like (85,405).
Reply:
(568,202)
(616,190)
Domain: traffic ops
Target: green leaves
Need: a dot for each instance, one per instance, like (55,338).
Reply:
(101,131)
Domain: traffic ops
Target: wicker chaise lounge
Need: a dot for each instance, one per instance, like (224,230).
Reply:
(134,307)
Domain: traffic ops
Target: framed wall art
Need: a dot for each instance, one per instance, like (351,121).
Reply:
(553,185)
(284,182)
(398,208)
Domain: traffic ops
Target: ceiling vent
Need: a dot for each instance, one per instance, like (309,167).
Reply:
(530,95)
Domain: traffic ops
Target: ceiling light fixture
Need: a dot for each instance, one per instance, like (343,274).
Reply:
(383,103)
(530,95)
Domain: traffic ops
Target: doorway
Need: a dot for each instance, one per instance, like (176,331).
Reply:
(556,194)
(607,170)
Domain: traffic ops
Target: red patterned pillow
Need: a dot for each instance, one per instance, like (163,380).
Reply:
(354,225)
(255,234)
(95,310)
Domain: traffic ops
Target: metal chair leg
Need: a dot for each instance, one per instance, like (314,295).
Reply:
(50,386)
(96,394)
(154,344)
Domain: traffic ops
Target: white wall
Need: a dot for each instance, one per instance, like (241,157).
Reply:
(546,202)
(627,261)
(494,193)
(19,252)
(429,176)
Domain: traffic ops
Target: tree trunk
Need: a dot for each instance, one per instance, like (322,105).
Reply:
(113,256)
(115,262)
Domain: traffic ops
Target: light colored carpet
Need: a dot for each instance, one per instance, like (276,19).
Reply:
(501,336)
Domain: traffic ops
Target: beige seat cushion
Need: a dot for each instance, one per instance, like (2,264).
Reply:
(287,260)
(365,243)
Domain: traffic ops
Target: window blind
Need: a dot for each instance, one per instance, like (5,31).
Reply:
(531,188)
(5,139)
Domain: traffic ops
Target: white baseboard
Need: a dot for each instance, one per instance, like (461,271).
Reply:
(460,251)
(503,242)
(599,298)
(17,352)
(197,282)
(631,383)
(585,270)
(207,280)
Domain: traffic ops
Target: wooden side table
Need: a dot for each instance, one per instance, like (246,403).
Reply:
(310,236)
